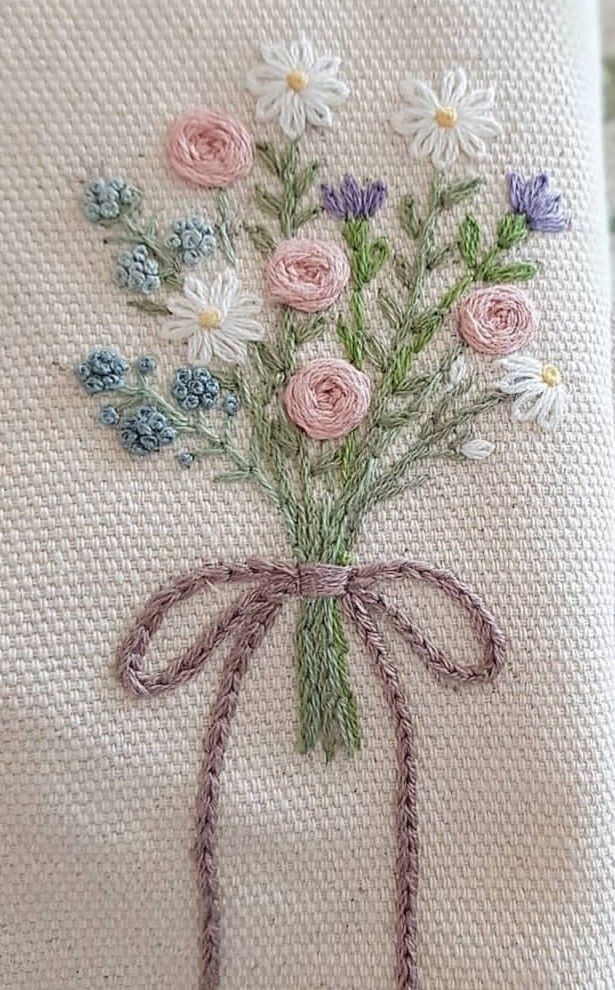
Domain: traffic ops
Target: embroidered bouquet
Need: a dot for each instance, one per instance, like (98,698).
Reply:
(405,341)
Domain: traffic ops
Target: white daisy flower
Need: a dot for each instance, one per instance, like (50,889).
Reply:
(459,121)
(539,390)
(216,320)
(294,86)
(477,449)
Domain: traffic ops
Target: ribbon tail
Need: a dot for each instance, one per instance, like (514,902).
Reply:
(257,618)
(407,833)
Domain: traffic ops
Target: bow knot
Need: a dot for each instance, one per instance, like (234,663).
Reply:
(267,585)
(323,580)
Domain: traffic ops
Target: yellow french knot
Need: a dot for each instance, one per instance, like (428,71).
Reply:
(446,116)
(297,80)
(210,318)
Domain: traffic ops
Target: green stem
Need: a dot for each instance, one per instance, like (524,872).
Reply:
(152,243)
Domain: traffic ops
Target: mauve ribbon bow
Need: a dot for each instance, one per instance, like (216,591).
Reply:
(269,585)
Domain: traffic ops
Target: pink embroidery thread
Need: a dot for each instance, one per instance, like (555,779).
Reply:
(306,275)
(248,619)
(327,398)
(209,149)
(496,320)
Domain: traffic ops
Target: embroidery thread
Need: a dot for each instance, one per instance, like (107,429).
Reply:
(326,439)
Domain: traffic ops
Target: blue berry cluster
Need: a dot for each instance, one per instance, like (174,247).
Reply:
(103,371)
(193,238)
(195,388)
(106,199)
(138,271)
(146,431)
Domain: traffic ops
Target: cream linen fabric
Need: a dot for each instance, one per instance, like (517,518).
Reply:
(516,788)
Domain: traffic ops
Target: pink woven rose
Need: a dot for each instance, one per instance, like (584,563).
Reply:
(307,275)
(496,320)
(209,149)
(327,398)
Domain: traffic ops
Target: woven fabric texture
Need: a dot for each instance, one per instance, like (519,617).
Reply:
(517,780)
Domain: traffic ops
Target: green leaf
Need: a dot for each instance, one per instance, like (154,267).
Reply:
(284,434)
(305,179)
(401,367)
(517,271)
(268,156)
(232,477)
(404,270)
(149,306)
(469,240)
(437,258)
(512,230)
(458,192)
(310,213)
(269,358)
(390,309)
(261,238)
(409,217)
(312,329)
(267,202)
(424,328)
(353,345)
(375,351)
(377,254)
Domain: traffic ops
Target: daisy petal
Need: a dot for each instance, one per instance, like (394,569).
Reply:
(418,94)
(318,113)
(331,91)
(325,65)
(277,56)
(178,329)
(292,117)
(231,351)
(264,75)
(454,85)
(200,350)
(224,289)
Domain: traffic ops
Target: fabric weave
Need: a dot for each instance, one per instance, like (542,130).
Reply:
(516,781)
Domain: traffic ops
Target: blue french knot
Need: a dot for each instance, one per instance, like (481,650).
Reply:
(103,371)
(108,416)
(185,459)
(146,365)
(105,199)
(138,271)
(146,431)
(231,404)
(195,388)
(193,238)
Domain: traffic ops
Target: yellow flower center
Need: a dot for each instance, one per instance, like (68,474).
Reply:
(446,116)
(297,80)
(210,318)
(551,376)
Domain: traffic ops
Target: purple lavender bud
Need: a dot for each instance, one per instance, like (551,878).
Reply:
(537,202)
(374,197)
(353,202)
(332,202)
(353,197)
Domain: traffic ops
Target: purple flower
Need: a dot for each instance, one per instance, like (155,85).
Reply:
(352,201)
(540,205)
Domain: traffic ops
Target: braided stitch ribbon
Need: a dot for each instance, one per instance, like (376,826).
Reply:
(269,585)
